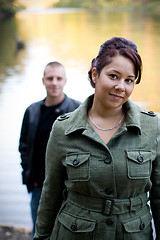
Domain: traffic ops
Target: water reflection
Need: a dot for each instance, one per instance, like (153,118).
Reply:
(72,38)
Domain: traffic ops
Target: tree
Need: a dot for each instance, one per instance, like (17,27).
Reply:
(8,8)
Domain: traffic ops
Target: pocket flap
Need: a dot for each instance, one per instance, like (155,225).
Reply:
(76,160)
(138,224)
(139,156)
(76,224)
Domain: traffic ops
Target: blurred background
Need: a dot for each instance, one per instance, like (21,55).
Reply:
(34,32)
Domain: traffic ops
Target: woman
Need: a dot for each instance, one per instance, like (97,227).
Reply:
(103,159)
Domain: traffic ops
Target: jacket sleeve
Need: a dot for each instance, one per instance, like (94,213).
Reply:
(23,146)
(51,198)
(155,190)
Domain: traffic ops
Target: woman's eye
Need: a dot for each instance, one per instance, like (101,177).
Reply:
(129,80)
(113,76)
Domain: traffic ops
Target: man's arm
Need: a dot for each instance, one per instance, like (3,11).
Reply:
(23,146)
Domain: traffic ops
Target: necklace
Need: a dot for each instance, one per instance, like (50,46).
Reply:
(105,129)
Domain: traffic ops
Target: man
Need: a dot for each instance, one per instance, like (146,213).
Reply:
(37,123)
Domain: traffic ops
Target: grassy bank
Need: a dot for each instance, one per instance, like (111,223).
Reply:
(153,6)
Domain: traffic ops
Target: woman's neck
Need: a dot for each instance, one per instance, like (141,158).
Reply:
(103,112)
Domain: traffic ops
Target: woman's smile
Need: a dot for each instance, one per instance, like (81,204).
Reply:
(115,96)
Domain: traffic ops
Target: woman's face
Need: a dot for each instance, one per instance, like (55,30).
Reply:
(115,83)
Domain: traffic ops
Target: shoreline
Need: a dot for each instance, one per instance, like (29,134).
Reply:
(14,233)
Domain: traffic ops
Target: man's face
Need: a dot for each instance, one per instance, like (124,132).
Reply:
(54,80)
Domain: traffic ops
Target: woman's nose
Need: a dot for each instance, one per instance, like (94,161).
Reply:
(120,85)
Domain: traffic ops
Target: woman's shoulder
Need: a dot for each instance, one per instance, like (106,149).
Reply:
(64,117)
(61,123)
(145,119)
(150,119)
(135,108)
(148,113)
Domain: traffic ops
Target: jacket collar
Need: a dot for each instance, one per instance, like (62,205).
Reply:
(78,118)
(133,116)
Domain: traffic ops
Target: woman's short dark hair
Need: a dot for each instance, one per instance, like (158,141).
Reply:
(113,47)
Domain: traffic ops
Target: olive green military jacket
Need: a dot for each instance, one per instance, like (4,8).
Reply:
(105,184)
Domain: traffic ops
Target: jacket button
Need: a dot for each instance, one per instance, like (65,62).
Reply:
(141,226)
(75,162)
(107,160)
(109,222)
(63,116)
(73,227)
(140,158)
(108,191)
(151,113)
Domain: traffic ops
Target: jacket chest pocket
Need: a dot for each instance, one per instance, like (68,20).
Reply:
(139,164)
(77,166)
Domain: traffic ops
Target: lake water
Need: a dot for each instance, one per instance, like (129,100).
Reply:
(72,37)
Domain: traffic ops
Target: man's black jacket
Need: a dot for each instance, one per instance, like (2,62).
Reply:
(28,133)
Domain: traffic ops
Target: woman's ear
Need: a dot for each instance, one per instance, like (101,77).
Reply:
(94,75)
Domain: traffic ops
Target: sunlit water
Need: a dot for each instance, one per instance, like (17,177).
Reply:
(73,38)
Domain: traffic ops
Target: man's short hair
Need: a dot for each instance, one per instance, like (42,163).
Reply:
(53,64)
